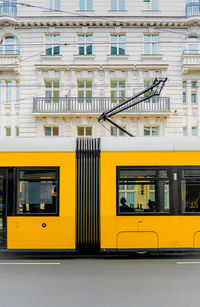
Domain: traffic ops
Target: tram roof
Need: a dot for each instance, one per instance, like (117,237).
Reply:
(150,144)
(107,144)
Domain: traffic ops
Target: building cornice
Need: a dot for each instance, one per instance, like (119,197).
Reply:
(95,21)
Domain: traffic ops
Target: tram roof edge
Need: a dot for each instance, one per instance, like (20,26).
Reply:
(150,144)
(37,144)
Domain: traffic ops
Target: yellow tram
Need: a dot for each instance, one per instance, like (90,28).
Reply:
(100,195)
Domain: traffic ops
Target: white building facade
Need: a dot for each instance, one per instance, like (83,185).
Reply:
(63,63)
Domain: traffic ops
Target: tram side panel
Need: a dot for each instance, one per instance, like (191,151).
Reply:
(168,229)
(42,228)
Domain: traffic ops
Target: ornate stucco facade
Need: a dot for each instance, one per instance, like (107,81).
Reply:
(62,63)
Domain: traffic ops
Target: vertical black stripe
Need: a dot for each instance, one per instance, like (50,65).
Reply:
(87,195)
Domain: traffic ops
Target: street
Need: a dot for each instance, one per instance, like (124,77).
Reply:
(135,281)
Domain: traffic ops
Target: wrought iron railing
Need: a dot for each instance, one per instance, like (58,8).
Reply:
(95,104)
(192,9)
(8,9)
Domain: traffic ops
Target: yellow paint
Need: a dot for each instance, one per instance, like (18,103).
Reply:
(26,232)
(138,239)
(172,231)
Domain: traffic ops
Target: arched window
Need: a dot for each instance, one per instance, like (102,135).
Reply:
(192,45)
(9,45)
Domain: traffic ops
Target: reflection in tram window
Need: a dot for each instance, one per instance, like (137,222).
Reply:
(37,192)
(190,190)
(144,191)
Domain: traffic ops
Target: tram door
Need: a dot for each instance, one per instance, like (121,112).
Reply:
(3,211)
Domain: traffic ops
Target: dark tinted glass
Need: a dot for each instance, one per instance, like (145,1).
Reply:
(37,192)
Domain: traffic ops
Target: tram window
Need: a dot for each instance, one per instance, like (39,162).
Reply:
(143,191)
(190,190)
(37,191)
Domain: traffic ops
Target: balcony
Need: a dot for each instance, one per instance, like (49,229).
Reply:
(96,105)
(10,62)
(8,9)
(190,61)
(192,9)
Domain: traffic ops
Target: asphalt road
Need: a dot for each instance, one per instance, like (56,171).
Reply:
(110,281)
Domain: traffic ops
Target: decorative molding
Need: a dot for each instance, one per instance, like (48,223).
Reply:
(153,66)
(94,21)
(55,67)
(11,63)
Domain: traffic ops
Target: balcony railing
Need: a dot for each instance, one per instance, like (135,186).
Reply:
(192,9)
(191,58)
(8,9)
(95,105)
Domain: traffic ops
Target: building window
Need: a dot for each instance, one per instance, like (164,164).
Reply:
(151,4)
(117,5)
(184,97)
(8,92)
(51,131)
(84,44)
(193,92)
(117,90)
(8,8)
(9,45)
(86,5)
(54,4)
(17,131)
(190,190)
(151,131)
(184,131)
(140,190)
(84,91)
(8,131)
(52,44)
(194,131)
(52,92)
(114,131)
(118,44)
(84,131)
(18,91)
(37,191)
(151,44)
(192,45)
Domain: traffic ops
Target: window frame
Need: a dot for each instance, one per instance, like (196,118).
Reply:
(53,44)
(51,127)
(17,171)
(179,170)
(5,48)
(86,5)
(117,44)
(87,41)
(167,168)
(84,131)
(150,44)
(115,5)
(55,5)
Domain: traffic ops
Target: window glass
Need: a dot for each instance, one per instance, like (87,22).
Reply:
(37,192)
(8,131)
(184,97)
(184,131)
(193,98)
(86,5)
(151,44)
(52,44)
(80,131)
(143,191)
(190,190)
(85,44)
(118,44)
